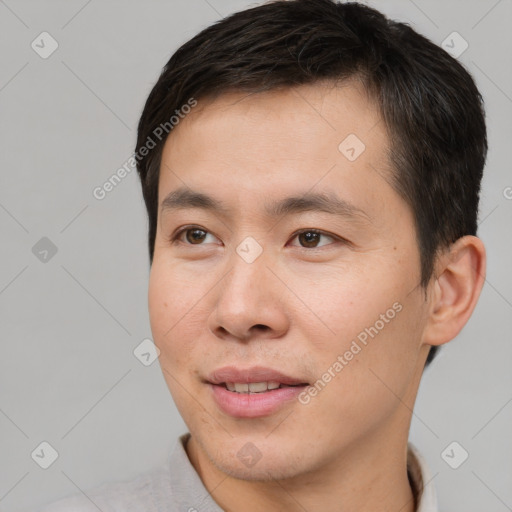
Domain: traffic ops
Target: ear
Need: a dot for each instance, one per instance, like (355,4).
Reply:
(458,280)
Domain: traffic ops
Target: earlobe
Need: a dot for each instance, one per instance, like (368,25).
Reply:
(460,278)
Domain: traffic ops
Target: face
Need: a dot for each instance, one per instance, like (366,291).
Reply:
(327,296)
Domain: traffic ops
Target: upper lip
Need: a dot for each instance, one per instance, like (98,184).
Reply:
(252,374)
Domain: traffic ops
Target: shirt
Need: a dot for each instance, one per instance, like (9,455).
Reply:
(176,487)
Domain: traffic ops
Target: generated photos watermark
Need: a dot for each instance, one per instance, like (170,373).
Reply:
(160,132)
(361,341)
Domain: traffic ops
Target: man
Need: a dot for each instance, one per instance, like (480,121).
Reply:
(311,172)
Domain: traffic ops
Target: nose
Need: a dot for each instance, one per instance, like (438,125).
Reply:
(249,302)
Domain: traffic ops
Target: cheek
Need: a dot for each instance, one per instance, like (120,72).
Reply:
(365,383)
(369,315)
(178,313)
(170,296)
(168,305)
(337,302)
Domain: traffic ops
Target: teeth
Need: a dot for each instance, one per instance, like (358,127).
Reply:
(257,387)
(253,387)
(242,388)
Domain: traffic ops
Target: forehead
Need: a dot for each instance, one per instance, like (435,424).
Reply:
(307,119)
(340,107)
(321,136)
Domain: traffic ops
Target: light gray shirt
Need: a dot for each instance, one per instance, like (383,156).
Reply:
(176,487)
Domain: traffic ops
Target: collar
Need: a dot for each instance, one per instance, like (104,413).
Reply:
(185,478)
(421,481)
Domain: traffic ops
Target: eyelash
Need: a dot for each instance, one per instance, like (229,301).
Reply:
(174,238)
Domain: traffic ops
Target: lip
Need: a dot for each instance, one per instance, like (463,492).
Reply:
(251,374)
(252,405)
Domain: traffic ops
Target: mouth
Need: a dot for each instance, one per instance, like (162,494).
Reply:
(256,387)
(255,379)
(253,392)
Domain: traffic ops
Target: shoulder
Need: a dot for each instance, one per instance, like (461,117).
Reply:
(144,492)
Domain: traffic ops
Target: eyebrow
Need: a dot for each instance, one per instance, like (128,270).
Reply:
(185,198)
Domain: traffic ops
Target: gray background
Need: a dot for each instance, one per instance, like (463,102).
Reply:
(70,324)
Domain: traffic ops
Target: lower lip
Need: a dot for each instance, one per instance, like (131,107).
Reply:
(253,405)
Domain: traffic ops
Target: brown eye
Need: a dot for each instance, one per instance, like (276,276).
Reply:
(310,238)
(195,236)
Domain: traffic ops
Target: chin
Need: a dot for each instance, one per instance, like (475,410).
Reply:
(260,472)
(258,461)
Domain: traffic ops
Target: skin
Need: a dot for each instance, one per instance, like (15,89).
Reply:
(346,449)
